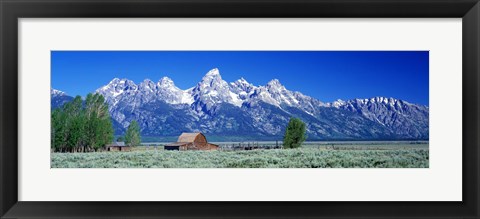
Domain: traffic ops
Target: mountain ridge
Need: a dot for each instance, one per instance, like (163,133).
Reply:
(216,107)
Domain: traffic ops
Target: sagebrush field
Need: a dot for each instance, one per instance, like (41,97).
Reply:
(277,158)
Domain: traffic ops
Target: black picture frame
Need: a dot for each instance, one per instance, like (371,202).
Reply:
(12,10)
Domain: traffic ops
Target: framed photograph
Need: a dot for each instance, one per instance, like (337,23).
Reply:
(168,109)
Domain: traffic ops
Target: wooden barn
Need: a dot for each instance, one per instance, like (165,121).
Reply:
(117,146)
(191,141)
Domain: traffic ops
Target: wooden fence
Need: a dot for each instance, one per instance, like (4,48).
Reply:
(242,146)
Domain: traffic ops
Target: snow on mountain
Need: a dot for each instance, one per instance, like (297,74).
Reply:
(401,116)
(280,94)
(54,92)
(58,98)
(168,92)
(242,88)
(121,90)
(276,94)
(207,94)
(240,108)
(117,89)
(213,90)
(125,98)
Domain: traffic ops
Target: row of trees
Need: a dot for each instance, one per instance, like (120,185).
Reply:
(80,126)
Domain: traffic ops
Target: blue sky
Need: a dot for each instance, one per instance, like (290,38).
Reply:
(325,75)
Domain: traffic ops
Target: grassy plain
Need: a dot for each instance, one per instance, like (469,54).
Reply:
(310,156)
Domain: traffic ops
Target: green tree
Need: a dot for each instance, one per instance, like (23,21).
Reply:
(294,134)
(100,129)
(75,124)
(58,130)
(81,126)
(132,137)
(120,139)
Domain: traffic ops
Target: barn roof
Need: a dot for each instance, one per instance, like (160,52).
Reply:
(176,144)
(119,144)
(213,144)
(188,137)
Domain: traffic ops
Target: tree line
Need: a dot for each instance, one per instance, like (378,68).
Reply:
(80,126)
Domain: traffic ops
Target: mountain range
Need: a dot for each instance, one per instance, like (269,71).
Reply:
(242,111)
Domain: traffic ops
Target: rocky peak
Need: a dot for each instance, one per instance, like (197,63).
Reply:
(212,79)
(147,84)
(54,92)
(275,85)
(214,72)
(166,82)
(242,85)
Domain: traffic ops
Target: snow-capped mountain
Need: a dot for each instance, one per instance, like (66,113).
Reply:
(58,98)
(242,88)
(402,117)
(167,91)
(211,91)
(124,90)
(247,112)
(54,92)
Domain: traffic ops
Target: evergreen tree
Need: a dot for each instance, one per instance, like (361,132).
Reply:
(294,134)
(132,137)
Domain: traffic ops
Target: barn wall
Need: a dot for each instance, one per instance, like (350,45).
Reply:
(113,148)
(171,148)
(204,146)
(117,148)
(125,148)
(189,146)
(200,142)
(212,147)
(200,139)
